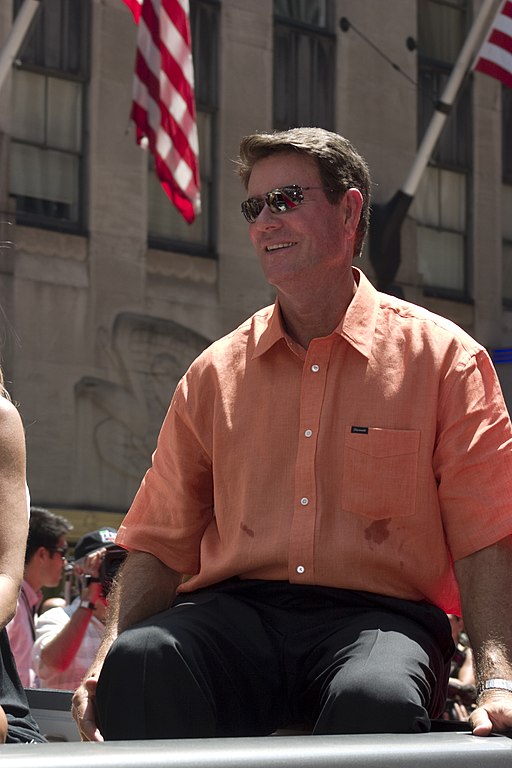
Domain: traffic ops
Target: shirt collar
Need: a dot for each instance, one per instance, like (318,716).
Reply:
(357,327)
(34,598)
(272,330)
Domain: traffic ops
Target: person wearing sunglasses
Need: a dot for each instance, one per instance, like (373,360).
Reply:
(68,637)
(45,558)
(331,479)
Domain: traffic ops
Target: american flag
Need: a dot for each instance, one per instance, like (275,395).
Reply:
(495,55)
(163,107)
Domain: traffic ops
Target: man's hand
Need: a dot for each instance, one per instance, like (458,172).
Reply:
(144,586)
(3,726)
(494,713)
(83,710)
(90,566)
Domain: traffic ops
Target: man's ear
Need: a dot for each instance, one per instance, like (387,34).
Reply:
(41,553)
(353,202)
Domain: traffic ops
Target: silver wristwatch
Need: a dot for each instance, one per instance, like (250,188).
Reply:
(495,683)
(90,606)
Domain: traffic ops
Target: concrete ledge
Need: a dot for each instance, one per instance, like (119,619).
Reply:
(52,712)
(429,750)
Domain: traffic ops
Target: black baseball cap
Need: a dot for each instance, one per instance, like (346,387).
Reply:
(90,542)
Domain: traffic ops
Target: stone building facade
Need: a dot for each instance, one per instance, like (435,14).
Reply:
(106,296)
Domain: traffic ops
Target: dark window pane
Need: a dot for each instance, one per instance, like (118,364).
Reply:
(56,38)
(46,162)
(442,26)
(454,146)
(304,63)
(507,133)
(204,27)
(442,245)
(313,12)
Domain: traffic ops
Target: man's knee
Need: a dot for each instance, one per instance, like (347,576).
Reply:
(138,648)
(360,706)
(145,667)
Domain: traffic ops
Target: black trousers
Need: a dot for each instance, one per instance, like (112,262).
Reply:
(22,727)
(245,658)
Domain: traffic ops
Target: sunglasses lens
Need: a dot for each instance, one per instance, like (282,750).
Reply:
(278,200)
(252,208)
(285,199)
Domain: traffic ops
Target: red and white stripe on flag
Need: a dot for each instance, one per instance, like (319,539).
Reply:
(163,107)
(135,7)
(495,55)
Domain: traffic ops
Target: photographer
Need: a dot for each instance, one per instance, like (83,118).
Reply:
(68,637)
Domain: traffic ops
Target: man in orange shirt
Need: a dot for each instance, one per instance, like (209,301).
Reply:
(334,476)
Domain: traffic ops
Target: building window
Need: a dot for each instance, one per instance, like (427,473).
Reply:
(166,227)
(304,63)
(441,198)
(46,176)
(441,204)
(506,195)
(506,133)
(507,267)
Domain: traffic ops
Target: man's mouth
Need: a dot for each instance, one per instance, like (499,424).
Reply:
(278,246)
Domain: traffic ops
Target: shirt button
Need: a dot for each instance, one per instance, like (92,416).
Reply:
(304,501)
(308,433)
(315,368)
(300,569)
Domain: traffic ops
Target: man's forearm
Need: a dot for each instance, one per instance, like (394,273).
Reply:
(485,580)
(144,587)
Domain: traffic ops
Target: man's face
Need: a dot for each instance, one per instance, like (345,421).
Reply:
(55,563)
(308,245)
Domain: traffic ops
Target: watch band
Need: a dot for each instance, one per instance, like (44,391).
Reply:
(495,683)
(87,604)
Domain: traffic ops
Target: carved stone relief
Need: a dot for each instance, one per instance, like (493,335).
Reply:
(118,418)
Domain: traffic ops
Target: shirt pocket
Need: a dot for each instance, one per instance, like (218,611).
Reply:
(380,469)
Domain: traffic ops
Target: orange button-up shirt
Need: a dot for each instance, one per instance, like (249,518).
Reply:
(370,461)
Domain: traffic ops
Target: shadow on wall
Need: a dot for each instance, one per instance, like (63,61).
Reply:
(118,418)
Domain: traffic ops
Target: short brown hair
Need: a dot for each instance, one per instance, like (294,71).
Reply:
(340,165)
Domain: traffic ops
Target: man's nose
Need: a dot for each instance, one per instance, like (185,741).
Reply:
(267,219)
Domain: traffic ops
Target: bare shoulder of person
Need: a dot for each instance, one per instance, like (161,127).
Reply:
(11,429)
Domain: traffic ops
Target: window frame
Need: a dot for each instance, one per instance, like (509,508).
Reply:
(442,158)
(176,244)
(506,131)
(296,29)
(82,77)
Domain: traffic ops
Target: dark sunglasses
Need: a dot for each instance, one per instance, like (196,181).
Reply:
(61,550)
(279,200)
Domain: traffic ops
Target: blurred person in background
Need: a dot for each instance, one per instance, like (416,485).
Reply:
(68,637)
(461,684)
(45,558)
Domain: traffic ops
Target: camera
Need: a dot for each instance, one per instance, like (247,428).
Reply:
(109,567)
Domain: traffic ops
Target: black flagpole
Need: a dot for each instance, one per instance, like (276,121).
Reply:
(387,219)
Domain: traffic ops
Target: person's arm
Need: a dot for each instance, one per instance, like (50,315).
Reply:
(13,508)
(466,674)
(144,587)
(485,581)
(56,646)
